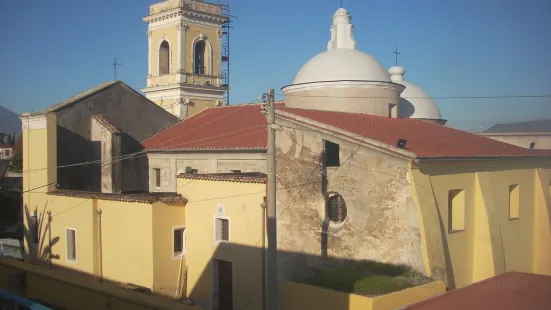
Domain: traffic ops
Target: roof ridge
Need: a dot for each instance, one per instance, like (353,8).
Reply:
(85,94)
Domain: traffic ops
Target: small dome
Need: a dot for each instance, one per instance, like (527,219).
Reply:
(342,64)
(414,102)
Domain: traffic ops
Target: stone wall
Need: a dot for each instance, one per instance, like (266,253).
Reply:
(382,221)
(132,113)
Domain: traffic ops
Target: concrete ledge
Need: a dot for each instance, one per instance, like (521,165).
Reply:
(75,290)
(296,296)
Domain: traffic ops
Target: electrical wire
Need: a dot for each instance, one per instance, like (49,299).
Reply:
(419,97)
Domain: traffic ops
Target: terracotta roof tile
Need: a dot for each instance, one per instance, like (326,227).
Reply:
(229,127)
(425,139)
(139,198)
(511,290)
(5,146)
(244,127)
(227,177)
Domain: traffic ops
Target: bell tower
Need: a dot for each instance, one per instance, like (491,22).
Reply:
(185,55)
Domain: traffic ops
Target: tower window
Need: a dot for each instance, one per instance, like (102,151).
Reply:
(331,154)
(200,57)
(164,58)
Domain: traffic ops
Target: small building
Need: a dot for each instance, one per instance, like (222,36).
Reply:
(96,127)
(216,140)
(531,134)
(6,151)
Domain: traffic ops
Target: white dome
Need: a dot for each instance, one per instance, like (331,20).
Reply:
(414,102)
(342,64)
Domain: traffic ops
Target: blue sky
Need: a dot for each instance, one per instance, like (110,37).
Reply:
(55,49)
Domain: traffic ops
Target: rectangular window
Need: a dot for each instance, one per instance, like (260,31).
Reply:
(7,152)
(456,211)
(222,229)
(331,151)
(514,202)
(71,244)
(157,177)
(179,241)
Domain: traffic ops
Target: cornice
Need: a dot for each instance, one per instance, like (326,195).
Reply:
(205,17)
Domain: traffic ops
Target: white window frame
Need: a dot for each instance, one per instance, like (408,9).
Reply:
(73,261)
(216,242)
(184,241)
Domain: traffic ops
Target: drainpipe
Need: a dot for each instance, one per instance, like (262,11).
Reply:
(49,239)
(263,206)
(100,247)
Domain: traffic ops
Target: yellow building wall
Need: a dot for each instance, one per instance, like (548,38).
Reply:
(197,106)
(78,214)
(491,243)
(542,222)
(39,154)
(297,296)
(242,204)
(74,291)
(127,242)
(165,265)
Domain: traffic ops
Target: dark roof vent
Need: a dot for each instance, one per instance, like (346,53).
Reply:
(401,143)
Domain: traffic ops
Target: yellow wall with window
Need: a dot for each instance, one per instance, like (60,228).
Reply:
(241,204)
(494,240)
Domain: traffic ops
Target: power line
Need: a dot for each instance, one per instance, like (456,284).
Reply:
(132,155)
(421,97)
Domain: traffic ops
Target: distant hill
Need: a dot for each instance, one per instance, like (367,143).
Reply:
(9,121)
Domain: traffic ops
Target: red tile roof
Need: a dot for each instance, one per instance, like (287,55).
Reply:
(244,127)
(511,290)
(5,146)
(425,139)
(230,127)
(227,177)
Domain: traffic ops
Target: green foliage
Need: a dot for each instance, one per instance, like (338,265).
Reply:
(375,284)
(367,277)
(17,159)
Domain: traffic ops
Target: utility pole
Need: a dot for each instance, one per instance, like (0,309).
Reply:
(272,294)
(115,64)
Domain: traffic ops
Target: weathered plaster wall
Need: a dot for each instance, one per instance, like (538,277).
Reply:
(382,222)
(125,109)
(172,164)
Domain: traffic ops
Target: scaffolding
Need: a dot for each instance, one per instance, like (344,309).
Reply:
(225,7)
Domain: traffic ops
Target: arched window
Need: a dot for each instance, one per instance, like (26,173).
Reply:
(200,60)
(336,209)
(164,58)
